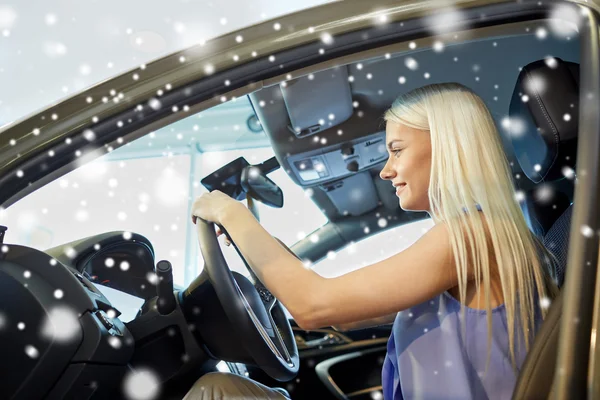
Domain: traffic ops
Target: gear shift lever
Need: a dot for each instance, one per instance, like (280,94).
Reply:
(165,302)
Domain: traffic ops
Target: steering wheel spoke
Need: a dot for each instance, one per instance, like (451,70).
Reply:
(278,339)
(270,334)
(251,308)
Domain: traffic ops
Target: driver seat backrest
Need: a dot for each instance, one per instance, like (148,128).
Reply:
(545,143)
(547,211)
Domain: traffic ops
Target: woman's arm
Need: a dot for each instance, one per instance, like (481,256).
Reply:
(369,323)
(417,274)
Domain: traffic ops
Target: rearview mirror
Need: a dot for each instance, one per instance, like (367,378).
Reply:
(261,188)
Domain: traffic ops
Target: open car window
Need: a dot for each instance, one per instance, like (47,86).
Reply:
(148,186)
(372,249)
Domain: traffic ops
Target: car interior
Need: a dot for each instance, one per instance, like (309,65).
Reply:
(327,133)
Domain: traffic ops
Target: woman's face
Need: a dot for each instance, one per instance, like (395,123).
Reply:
(408,165)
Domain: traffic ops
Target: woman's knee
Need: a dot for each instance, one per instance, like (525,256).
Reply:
(212,379)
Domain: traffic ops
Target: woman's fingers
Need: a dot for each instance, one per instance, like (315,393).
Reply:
(227,240)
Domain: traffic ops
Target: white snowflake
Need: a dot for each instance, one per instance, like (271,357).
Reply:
(519,196)
(61,324)
(411,63)
(31,351)
(551,62)
(209,69)
(447,19)
(565,20)
(114,342)
(536,83)
(327,38)
(300,235)
(85,69)
(141,384)
(152,278)
(376,395)
(545,303)
(568,172)
(55,49)
(541,33)
(155,104)
(544,193)
(587,231)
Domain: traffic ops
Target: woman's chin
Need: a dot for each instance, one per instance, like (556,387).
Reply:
(407,205)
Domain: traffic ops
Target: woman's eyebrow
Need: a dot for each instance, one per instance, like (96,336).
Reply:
(391,142)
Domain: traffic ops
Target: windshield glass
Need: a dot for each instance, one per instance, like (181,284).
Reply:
(148,186)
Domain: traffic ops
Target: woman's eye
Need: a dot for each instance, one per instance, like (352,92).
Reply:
(396,152)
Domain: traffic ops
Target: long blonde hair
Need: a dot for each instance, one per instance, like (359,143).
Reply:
(469,167)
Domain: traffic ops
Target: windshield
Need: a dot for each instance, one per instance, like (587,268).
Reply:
(148,186)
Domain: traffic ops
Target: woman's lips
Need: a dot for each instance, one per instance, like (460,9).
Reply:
(399,189)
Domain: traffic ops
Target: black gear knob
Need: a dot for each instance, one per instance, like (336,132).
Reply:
(165,302)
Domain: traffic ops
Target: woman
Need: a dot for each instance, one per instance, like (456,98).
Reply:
(465,296)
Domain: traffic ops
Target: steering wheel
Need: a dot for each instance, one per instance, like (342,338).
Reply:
(254,311)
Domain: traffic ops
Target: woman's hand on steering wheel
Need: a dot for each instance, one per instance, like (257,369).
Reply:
(210,200)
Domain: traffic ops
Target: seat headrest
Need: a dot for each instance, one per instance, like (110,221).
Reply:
(543,118)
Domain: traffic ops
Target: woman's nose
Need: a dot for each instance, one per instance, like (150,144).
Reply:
(386,173)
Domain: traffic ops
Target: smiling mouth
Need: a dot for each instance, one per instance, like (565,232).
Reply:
(399,188)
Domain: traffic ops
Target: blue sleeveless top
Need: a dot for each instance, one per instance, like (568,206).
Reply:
(428,357)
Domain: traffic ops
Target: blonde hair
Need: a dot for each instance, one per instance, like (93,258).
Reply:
(469,167)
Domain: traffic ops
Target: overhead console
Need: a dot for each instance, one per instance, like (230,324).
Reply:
(318,101)
(317,127)
(338,161)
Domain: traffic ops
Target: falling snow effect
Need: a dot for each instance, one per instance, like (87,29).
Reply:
(565,19)
(61,324)
(587,231)
(448,19)
(31,351)
(114,342)
(545,303)
(141,384)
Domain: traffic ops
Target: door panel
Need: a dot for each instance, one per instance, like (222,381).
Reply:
(334,365)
